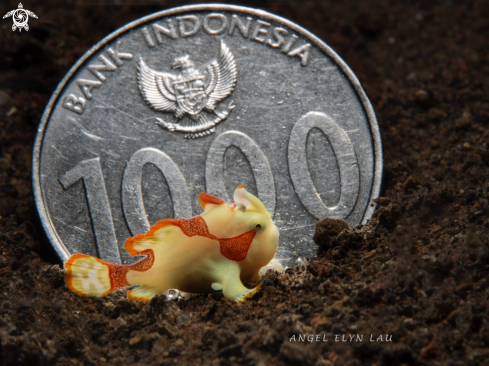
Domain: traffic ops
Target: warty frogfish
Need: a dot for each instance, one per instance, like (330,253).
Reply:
(218,250)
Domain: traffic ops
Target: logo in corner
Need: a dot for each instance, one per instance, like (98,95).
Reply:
(20,17)
(193,92)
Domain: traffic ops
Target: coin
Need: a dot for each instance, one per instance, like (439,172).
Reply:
(204,98)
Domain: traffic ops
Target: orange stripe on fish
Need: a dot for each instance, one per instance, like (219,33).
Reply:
(236,248)
(193,226)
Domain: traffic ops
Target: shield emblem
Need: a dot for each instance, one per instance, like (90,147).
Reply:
(190,94)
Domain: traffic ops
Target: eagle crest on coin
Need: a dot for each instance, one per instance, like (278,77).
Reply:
(194,92)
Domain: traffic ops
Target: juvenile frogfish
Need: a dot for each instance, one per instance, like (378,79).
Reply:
(218,250)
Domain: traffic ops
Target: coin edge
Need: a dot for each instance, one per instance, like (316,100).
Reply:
(41,208)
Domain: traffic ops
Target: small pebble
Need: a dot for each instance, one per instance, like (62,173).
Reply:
(135,340)
(424,98)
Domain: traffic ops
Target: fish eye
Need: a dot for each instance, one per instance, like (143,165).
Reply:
(257,224)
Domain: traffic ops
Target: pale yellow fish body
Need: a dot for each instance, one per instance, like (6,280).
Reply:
(218,250)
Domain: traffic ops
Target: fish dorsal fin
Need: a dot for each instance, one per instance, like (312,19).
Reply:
(140,242)
(207,201)
(190,227)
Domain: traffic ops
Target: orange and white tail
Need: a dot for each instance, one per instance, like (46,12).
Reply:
(91,277)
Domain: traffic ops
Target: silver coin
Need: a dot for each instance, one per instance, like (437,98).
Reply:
(204,98)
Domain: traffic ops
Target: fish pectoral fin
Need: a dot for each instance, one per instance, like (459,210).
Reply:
(216,286)
(233,288)
(154,236)
(141,293)
(248,294)
(237,292)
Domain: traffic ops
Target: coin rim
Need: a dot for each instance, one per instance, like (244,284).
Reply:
(44,216)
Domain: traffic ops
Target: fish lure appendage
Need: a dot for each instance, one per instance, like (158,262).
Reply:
(215,251)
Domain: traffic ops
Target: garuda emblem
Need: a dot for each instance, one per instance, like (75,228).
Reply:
(193,92)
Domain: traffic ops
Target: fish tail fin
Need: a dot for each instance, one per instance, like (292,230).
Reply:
(92,277)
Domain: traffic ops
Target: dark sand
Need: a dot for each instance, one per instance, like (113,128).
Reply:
(417,272)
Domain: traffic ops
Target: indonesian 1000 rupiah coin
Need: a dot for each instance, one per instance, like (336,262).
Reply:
(203,99)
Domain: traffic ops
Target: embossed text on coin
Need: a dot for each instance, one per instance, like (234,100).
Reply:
(204,98)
